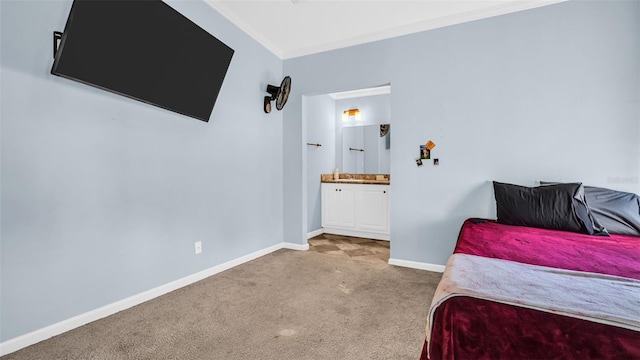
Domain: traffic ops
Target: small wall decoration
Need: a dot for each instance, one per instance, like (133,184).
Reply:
(425,153)
(384,129)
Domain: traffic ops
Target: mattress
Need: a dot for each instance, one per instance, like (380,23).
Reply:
(471,326)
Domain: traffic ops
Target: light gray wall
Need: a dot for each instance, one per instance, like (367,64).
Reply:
(103,197)
(548,93)
(320,113)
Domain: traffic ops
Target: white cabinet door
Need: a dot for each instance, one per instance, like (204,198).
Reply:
(373,208)
(347,206)
(330,205)
(338,205)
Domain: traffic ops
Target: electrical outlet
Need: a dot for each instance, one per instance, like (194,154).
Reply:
(198,247)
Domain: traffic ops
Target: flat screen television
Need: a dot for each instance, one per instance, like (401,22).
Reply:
(145,50)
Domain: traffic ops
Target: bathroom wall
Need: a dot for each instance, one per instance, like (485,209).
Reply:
(320,112)
(323,118)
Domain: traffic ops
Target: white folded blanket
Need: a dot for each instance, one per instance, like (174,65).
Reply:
(595,297)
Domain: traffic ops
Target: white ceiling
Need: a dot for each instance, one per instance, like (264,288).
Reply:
(291,28)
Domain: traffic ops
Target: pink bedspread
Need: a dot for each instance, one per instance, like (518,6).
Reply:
(471,328)
(615,255)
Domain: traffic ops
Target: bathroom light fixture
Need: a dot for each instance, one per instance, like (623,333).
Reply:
(351,113)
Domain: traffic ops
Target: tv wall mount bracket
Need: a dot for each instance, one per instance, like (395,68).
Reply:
(57,37)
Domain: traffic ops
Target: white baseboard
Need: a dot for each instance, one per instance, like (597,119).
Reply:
(292,246)
(417,265)
(58,328)
(315,233)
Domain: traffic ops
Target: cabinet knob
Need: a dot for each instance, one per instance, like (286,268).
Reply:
(384,192)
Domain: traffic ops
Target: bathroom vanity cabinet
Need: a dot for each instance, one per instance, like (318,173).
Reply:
(356,209)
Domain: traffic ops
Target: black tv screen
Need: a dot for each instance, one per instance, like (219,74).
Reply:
(145,50)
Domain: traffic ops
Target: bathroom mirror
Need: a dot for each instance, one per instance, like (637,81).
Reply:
(366,149)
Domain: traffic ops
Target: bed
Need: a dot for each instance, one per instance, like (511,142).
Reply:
(522,292)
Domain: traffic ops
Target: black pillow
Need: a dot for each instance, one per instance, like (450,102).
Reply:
(617,211)
(554,207)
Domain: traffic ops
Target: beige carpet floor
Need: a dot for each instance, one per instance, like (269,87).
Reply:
(285,305)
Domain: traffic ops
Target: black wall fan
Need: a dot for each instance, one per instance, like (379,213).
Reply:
(279,94)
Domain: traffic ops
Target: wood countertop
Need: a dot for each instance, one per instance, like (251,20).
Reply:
(377,179)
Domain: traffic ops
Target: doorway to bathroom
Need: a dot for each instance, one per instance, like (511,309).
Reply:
(349,131)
